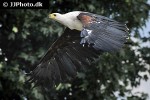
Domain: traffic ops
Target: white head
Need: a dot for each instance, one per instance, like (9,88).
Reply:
(70,19)
(57,17)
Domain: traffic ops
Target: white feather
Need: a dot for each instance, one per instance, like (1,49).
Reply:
(70,20)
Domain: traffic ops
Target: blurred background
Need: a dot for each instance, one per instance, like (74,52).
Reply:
(26,34)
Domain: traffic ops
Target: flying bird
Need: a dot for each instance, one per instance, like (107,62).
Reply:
(86,36)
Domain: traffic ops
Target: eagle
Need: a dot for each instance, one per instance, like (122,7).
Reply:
(86,36)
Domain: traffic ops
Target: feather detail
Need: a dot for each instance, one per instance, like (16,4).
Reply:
(103,33)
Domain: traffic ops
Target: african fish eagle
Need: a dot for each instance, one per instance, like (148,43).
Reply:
(86,36)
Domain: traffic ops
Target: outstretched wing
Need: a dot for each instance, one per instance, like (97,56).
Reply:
(105,34)
(63,59)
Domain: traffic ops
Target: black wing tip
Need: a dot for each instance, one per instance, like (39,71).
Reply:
(48,76)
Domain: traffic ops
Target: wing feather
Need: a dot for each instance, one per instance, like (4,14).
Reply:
(105,34)
(63,59)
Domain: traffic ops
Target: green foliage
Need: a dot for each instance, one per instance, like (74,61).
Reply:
(26,34)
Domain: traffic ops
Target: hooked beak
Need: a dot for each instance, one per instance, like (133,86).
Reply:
(52,16)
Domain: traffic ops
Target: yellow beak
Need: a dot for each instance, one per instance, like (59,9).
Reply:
(52,16)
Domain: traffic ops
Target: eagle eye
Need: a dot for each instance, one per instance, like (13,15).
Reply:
(54,15)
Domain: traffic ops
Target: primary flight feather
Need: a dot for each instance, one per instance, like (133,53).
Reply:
(86,36)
